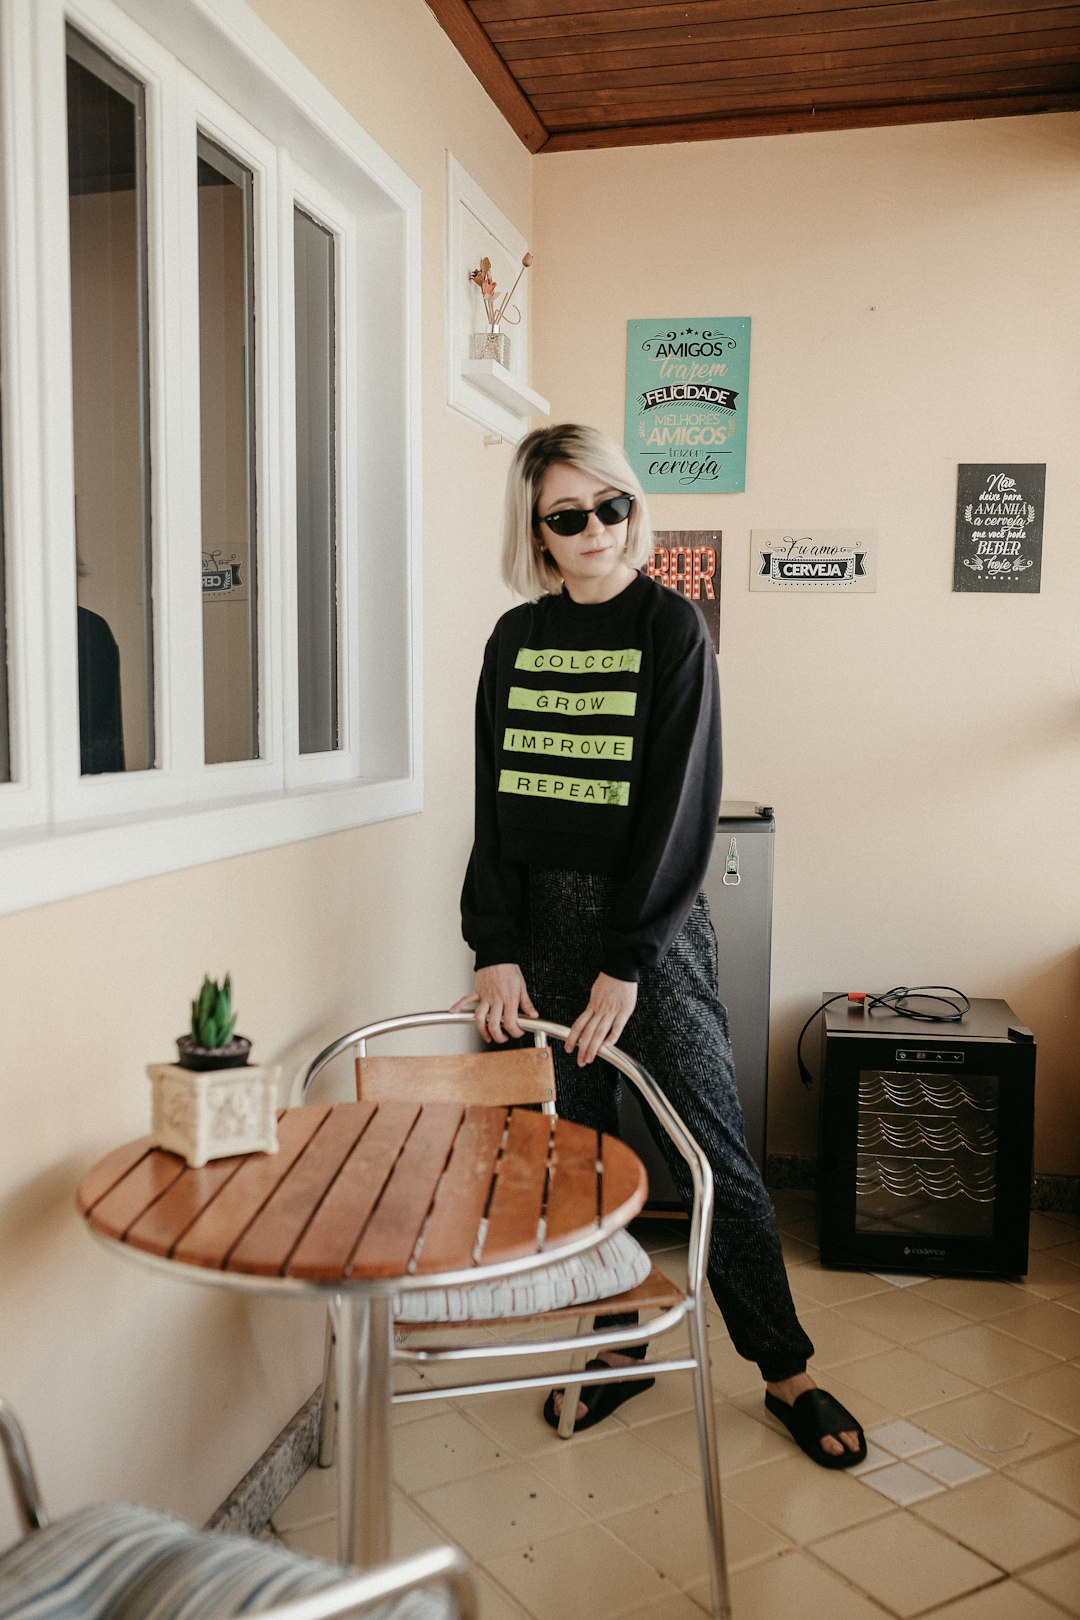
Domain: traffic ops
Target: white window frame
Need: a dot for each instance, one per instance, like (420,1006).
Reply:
(24,800)
(210,65)
(203,113)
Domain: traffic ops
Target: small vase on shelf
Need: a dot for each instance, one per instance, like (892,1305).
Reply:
(494,344)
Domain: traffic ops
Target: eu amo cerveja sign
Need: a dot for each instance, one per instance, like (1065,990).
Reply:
(813,559)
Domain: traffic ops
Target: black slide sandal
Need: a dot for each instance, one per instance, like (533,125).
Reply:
(600,1400)
(810,1417)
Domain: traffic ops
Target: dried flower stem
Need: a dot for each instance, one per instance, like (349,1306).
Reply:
(525,263)
(486,284)
(483,278)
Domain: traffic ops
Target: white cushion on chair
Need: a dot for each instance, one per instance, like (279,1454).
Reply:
(116,1562)
(612,1267)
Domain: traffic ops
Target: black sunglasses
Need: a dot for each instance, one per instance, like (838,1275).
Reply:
(571,520)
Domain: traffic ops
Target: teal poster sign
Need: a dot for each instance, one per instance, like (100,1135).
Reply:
(687,391)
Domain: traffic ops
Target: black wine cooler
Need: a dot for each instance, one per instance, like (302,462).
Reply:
(925,1152)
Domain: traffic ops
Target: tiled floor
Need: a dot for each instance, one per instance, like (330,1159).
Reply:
(968,1507)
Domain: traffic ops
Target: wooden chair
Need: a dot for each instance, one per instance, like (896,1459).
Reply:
(596,1281)
(115,1561)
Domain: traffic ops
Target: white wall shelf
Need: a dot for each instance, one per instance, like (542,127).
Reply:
(503,387)
(497,397)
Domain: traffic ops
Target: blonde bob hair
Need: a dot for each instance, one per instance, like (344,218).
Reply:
(527,568)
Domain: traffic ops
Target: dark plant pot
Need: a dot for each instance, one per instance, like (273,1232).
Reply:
(233,1056)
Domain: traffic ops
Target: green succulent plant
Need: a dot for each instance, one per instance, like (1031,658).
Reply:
(212,1016)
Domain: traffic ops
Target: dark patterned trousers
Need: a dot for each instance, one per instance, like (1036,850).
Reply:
(679,1033)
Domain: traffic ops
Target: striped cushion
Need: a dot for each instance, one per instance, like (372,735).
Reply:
(616,1264)
(116,1562)
(82,1565)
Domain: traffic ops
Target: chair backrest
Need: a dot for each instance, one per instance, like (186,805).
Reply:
(510,1078)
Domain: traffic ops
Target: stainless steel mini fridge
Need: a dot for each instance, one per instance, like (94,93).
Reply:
(738,887)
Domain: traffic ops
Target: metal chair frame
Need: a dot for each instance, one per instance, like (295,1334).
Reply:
(440,1566)
(690,1308)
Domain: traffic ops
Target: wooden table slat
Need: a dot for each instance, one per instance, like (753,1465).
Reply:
(624,1177)
(104,1175)
(161,1226)
(518,1199)
(266,1245)
(573,1199)
(211,1237)
(151,1175)
(455,1220)
(329,1242)
(390,1236)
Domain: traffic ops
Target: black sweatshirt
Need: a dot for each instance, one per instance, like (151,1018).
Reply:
(598,750)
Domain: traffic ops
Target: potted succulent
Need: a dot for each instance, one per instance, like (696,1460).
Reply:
(210,1042)
(213,1103)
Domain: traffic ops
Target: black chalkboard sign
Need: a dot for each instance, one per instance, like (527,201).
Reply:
(999,520)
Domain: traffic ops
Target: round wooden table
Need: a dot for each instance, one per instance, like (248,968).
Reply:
(364,1201)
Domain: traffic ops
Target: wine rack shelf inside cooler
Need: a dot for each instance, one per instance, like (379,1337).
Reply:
(924,1141)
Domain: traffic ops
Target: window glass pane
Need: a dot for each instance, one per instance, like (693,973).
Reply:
(110,377)
(316,515)
(227,401)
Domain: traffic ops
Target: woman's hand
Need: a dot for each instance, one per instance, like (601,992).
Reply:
(498,996)
(611,1001)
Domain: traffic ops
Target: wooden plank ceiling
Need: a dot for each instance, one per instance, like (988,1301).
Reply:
(576,74)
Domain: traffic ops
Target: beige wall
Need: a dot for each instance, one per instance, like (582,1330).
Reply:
(915,304)
(134,1385)
(910,740)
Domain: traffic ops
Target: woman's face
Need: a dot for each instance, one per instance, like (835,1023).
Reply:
(593,563)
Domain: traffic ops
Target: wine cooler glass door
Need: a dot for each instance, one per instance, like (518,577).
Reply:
(926,1153)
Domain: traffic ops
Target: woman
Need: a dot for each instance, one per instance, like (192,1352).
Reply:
(597,790)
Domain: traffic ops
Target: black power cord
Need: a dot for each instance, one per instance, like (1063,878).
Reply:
(895,1002)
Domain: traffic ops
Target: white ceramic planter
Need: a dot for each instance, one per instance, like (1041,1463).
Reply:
(213,1113)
